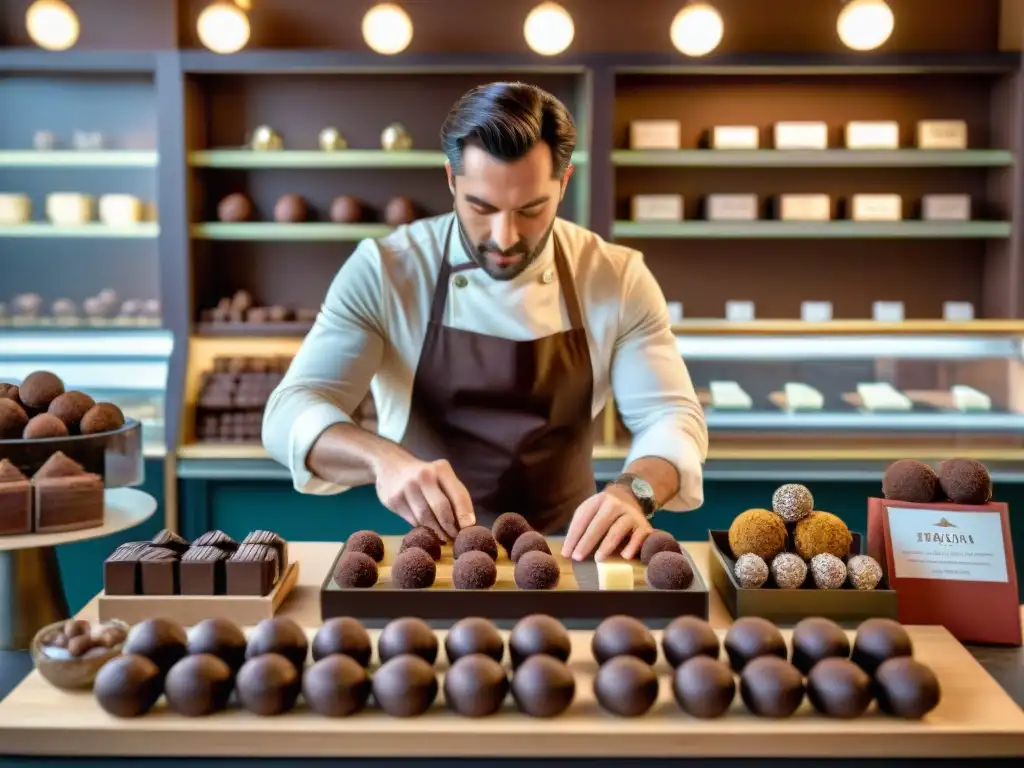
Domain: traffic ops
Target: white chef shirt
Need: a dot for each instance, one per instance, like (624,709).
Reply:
(371,327)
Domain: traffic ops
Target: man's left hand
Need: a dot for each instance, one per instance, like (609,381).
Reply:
(606,521)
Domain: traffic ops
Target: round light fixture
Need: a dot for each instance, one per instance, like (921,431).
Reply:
(52,24)
(697,29)
(223,27)
(865,24)
(549,29)
(387,28)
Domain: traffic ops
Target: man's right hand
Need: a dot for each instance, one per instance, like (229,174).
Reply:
(426,493)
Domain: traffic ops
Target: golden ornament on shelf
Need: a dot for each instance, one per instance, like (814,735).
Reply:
(395,137)
(265,138)
(331,140)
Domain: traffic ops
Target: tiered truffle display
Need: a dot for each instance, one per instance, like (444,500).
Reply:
(40,407)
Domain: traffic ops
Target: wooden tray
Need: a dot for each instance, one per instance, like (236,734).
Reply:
(975,718)
(191,609)
(577,595)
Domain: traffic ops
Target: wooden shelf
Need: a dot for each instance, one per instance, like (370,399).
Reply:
(344,158)
(234,330)
(827,158)
(715,327)
(812,229)
(145,230)
(273,231)
(107,158)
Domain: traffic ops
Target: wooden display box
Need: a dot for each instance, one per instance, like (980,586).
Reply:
(785,606)
(577,595)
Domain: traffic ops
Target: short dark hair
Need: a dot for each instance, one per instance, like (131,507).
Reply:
(507,120)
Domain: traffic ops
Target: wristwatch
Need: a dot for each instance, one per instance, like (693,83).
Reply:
(641,490)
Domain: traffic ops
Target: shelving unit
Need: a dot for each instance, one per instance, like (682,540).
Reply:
(109,158)
(265,230)
(142,230)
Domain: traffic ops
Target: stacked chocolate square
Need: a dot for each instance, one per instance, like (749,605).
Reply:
(61,496)
(233,395)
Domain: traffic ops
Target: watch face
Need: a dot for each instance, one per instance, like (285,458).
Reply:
(642,488)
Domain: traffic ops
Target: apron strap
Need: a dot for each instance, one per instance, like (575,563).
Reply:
(568,284)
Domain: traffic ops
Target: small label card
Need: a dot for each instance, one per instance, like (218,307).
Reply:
(939,544)
(957,311)
(816,311)
(739,311)
(655,134)
(887,311)
(941,134)
(876,207)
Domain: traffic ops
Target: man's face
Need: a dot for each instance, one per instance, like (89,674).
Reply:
(506,210)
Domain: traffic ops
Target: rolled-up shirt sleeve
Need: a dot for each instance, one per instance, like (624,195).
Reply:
(331,373)
(653,390)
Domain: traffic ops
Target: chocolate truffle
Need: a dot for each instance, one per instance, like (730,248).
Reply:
(864,572)
(9,392)
(538,634)
(543,686)
(279,635)
(879,640)
(828,571)
(422,538)
(221,638)
(346,209)
(536,570)
(475,686)
(815,639)
(792,502)
(39,389)
(355,570)
(102,417)
(507,528)
(13,420)
(839,688)
(405,686)
(168,539)
(751,637)
(623,636)
(789,571)
(758,532)
(771,687)
(704,687)
(910,480)
(474,570)
(128,685)
(658,541)
(336,686)
(963,481)
(343,635)
(669,570)
(413,569)
(399,210)
(751,571)
(161,641)
(368,542)
(44,426)
(626,686)
(407,636)
(198,685)
(531,541)
(473,635)
(475,538)
(290,209)
(906,688)
(268,684)
(71,407)
(821,532)
(686,637)
(235,208)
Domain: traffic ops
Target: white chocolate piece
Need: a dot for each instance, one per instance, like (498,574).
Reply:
(120,210)
(735,137)
(801,135)
(655,134)
(729,395)
(881,134)
(15,209)
(970,399)
(657,208)
(803,397)
(879,396)
(68,209)
(876,208)
(614,575)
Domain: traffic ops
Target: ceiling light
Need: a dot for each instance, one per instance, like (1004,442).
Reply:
(387,28)
(865,24)
(52,24)
(223,27)
(549,29)
(697,29)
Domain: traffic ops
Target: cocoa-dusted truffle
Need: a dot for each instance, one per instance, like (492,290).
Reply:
(405,686)
(536,570)
(39,389)
(751,571)
(71,407)
(399,210)
(817,638)
(413,569)
(346,209)
(410,636)
(669,570)
(475,686)
(658,541)
(235,208)
(839,688)
(821,532)
(290,209)
(758,532)
(792,502)
(475,538)
(473,635)
(864,572)
(198,685)
(623,636)
(879,640)
(704,687)
(162,641)
(279,635)
(344,635)
(368,542)
(474,570)
(789,571)
(963,481)
(538,634)
(507,528)
(423,538)
(771,687)
(128,685)
(336,686)
(9,392)
(910,480)
(102,417)
(686,637)
(751,637)
(531,541)
(543,686)
(828,571)
(44,426)
(906,688)
(268,685)
(356,570)
(221,638)
(626,686)
(13,420)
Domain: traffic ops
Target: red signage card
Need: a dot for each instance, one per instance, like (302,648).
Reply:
(951,565)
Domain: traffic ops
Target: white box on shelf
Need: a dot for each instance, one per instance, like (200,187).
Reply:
(738,311)
(876,207)
(887,311)
(881,396)
(970,399)
(120,210)
(15,208)
(946,207)
(880,134)
(957,311)
(801,207)
(801,135)
(729,395)
(803,397)
(675,312)
(942,134)
(657,207)
(730,207)
(816,311)
(735,137)
(69,209)
(655,134)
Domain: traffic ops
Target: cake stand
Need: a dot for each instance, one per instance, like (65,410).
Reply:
(31,590)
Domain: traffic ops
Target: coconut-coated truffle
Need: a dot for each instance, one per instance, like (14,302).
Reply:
(789,571)
(821,532)
(910,480)
(864,572)
(531,541)
(13,420)
(356,570)
(828,571)
(474,570)
(368,542)
(413,569)
(759,532)
(508,527)
(423,538)
(475,538)
(658,541)
(963,481)
(71,407)
(669,570)
(39,389)
(792,502)
(43,426)
(751,571)
(102,417)
(536,570)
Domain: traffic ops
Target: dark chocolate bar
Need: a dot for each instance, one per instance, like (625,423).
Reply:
(121,573)
(217,539)
(252,570)
(159,571)
(270,539)
(201,571)
(168,539)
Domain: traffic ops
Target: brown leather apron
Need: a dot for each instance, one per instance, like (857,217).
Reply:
(512,417)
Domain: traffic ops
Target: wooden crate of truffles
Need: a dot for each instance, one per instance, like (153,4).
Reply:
(792,561)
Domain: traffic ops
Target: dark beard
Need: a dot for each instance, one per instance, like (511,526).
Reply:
(478,253)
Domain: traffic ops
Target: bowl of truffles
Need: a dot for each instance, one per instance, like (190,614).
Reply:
(68,654)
